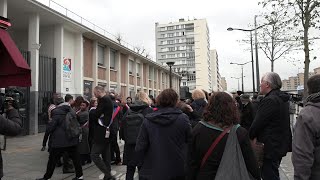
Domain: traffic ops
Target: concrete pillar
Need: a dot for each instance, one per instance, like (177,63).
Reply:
(127,78)
(107,63)
(118,67)
(58,54)
(4,8)
(78,64)
(33,47)
(134,71)
(95,63)
(142,76)
(161,87)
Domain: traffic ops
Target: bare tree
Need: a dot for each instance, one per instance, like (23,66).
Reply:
(119,38)
(304,15)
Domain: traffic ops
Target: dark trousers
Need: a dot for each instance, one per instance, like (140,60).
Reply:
(56,153)
(45,138)
(270,169)
(104,165)
(114,148)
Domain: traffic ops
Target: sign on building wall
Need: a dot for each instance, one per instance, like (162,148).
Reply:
(87,90)
(67,69)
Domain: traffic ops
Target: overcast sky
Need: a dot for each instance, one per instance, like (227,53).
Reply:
(135,21)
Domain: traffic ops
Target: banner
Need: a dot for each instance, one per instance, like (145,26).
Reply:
(67,69)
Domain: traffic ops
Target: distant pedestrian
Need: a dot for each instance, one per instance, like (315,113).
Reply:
(306,138)
(271,125)
(83,147)
(220,115)
(162,141)
(246,116)
(61,142)
(199,102)
(194,117)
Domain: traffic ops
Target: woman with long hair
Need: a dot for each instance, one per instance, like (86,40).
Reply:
(220,114)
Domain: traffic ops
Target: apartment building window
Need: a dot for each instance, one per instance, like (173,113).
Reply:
(170,34)
(100,55)
(170,28)
(161,42)
(138,69)
(178,55)
(190,40)
(178,48)
(130,67)
(171,48)
(177,40)
(163,35)
(177,33)
(170,41)
(162,29)
(171,55)
(183,54)
(184,83)
(163,56)
(112,59)
(177,27)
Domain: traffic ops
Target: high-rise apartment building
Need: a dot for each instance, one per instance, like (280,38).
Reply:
(187,44)
(224,84)
(215,75)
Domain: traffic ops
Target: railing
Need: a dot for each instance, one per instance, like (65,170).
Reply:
(72,15)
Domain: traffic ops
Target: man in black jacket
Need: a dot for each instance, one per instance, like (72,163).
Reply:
(271,125)
(101,141)
(60,142)
(9,126)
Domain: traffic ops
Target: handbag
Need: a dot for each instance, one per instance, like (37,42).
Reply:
(232,165)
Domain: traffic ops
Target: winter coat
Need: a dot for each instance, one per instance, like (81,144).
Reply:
(83,118)
(114,128)
(271,125)
(145,109)
(306,143)
(57,127)
(246,116)
(10,126)
(199,105)
(105,108)
(204,134)
(162,143)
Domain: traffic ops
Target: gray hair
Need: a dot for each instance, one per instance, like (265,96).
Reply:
(273,79)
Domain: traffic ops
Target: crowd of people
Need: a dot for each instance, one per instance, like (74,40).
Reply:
(215,135)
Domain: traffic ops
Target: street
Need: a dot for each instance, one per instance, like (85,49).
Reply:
(23,160)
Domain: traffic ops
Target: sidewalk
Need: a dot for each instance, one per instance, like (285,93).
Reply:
(23,160)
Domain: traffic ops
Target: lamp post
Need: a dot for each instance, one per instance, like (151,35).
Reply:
(241,71)
(256,51)
(170,64)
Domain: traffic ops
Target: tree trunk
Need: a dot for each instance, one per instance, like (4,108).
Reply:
(272,64)
(306,59)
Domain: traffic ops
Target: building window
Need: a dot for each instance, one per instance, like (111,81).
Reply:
(177,40)
(170,34)
(163,49)
(184,83)
(163,35)
(171,55)
(177,27)
(170,41)
(178,55)
(170,28)
(161,42)
(112,59)
(178,48)
(171,48)
(162,29)
(163,56)
(183,54)
(138,69)
(130,66)
(100,55)
(177,33)
(150,72)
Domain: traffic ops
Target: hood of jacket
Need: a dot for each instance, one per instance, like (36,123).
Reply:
(284,96)
(200,102)
(314,104)
(138,106)
(62,109)
(164,116)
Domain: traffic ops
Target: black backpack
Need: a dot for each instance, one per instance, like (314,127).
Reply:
(131,125)
(73,128)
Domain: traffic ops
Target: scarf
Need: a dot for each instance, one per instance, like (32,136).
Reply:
(313,97)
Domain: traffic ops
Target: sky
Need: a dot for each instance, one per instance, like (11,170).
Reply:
(135,22)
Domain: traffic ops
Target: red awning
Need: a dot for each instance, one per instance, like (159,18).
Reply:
(14,70)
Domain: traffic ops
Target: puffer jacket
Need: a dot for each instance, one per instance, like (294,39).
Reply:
(306,143)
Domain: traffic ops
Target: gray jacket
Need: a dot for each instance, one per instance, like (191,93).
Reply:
(306,143)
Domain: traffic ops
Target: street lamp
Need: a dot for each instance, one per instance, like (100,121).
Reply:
(256,46)
(170,64)
(242,64)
